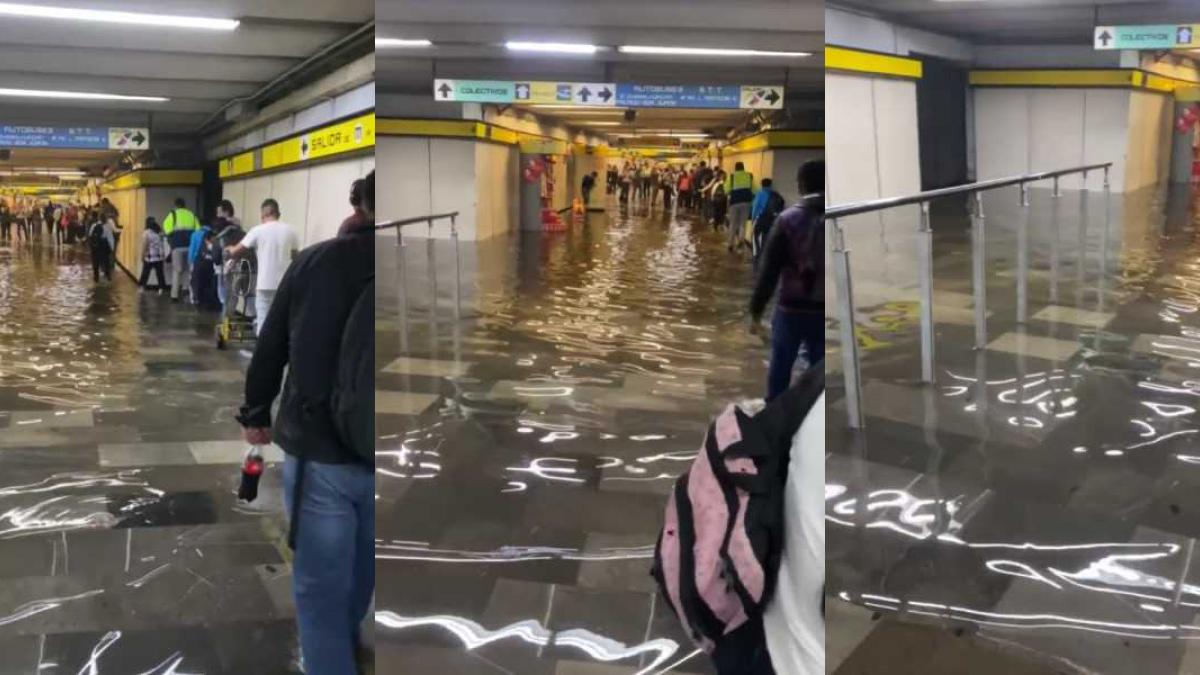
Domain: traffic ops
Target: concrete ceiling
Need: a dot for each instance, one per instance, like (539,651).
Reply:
(469,38)
(1026,21)
(199,70)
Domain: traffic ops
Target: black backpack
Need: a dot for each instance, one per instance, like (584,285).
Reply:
(96,237)
(353,398)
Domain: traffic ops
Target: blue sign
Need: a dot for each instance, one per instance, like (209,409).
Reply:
(80,138)
(678,96)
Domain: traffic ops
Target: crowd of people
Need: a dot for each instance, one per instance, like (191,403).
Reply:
(96,226)
(734,203)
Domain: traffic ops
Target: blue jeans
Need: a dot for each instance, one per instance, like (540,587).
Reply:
(333,572)
(790,330)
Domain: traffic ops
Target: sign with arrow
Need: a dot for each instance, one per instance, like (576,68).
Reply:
(475,91)
(1157,37)
(762,97)
(593,93)
(121,138)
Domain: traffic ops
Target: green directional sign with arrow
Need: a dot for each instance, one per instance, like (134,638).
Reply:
(1159,36)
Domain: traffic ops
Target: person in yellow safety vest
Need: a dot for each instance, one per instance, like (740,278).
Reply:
(739,185)
(178,227)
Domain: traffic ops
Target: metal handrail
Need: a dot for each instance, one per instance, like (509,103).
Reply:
(417,220)
(856,208)
(844,284)
(429,220)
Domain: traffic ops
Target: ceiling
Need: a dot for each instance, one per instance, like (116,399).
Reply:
(198,70)
(655,123)
(469,38)
(1026,21)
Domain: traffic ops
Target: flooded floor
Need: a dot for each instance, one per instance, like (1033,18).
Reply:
(1035,510)
(526,456)
(122,546)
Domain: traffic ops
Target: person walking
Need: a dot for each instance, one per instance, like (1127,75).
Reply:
(154,253)
(589,182)
(358,217)
(739,185)
(229,232)
(179,225)
(323,312)
(767,206)
(795,254)
(274,243)
(102,242)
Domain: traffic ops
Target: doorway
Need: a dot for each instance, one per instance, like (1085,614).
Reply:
(942,122)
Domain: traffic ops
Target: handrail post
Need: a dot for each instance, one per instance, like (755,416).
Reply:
(925,262)
(1023,257)
(978,263)
(1057,192)
(403,291)
(845,297)
(433,285)
(457,270)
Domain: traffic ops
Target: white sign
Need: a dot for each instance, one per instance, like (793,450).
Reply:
(128,138)
(762,97)
(593,93)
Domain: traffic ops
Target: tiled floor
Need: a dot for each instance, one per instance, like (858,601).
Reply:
(1035,511)
(527,452)
(123,548)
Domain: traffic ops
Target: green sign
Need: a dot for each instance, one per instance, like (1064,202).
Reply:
(474,91)
(1165,36)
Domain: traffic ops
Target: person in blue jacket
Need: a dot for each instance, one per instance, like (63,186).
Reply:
(198,277)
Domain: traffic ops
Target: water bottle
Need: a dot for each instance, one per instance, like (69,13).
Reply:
(252,470)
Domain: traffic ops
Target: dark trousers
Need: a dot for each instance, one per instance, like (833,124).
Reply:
(790,331)
(744,652)
(101,261)
(587,196)
(157,268)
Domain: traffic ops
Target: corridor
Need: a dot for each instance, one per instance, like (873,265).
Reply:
(122,545)
(526,459)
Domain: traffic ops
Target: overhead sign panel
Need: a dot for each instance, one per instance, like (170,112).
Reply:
(1162,36)
(74,138)
(608,94)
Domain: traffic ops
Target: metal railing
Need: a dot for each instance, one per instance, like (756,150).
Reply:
(844,284)
(429,220)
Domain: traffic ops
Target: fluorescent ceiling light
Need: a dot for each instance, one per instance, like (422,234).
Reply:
(401,42)
(552,47)
(597,123)
(39,93)
(107,16)
(704,51)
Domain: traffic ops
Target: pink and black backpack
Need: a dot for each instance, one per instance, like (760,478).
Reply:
(717,557)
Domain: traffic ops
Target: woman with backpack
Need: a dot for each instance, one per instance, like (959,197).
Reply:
(154,253)
(102,241)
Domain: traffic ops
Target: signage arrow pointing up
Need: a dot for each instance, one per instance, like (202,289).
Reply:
(1105,38)
(605,94)
(585,94)
(445,90)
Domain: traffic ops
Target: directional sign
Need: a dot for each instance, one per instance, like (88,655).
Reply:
(608,94)
(122,138)
(82,138)
(1164,36)
(760,97)
(477,91)
(594,93)
(678,96)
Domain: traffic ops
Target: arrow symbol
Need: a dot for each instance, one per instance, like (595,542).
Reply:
(138,138)
(1184,35)
(304,147)
(1105,38)
(605,94)
(772,97)
(445,90)
(585,94)
(522,91)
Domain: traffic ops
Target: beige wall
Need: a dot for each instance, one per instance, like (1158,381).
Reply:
(497,189)
(423,176)
(1149,139)
(314,199)
(1025,130)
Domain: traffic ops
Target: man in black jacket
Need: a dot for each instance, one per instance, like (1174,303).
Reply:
(328,489)
(795,254)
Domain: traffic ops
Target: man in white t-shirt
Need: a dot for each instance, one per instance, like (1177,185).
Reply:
(274,243)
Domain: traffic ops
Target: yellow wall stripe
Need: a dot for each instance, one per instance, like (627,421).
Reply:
(853,60)
(336,139)
(1056,78)
(779,140)
(237,165)
(153,178)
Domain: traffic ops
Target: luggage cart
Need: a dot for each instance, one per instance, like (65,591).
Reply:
(237,321)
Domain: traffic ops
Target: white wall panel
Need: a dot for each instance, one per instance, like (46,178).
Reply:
(329,198)
(1057,120)
(258,189)
(1002,132)
(850,138)
(1106,130)
(290,189)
